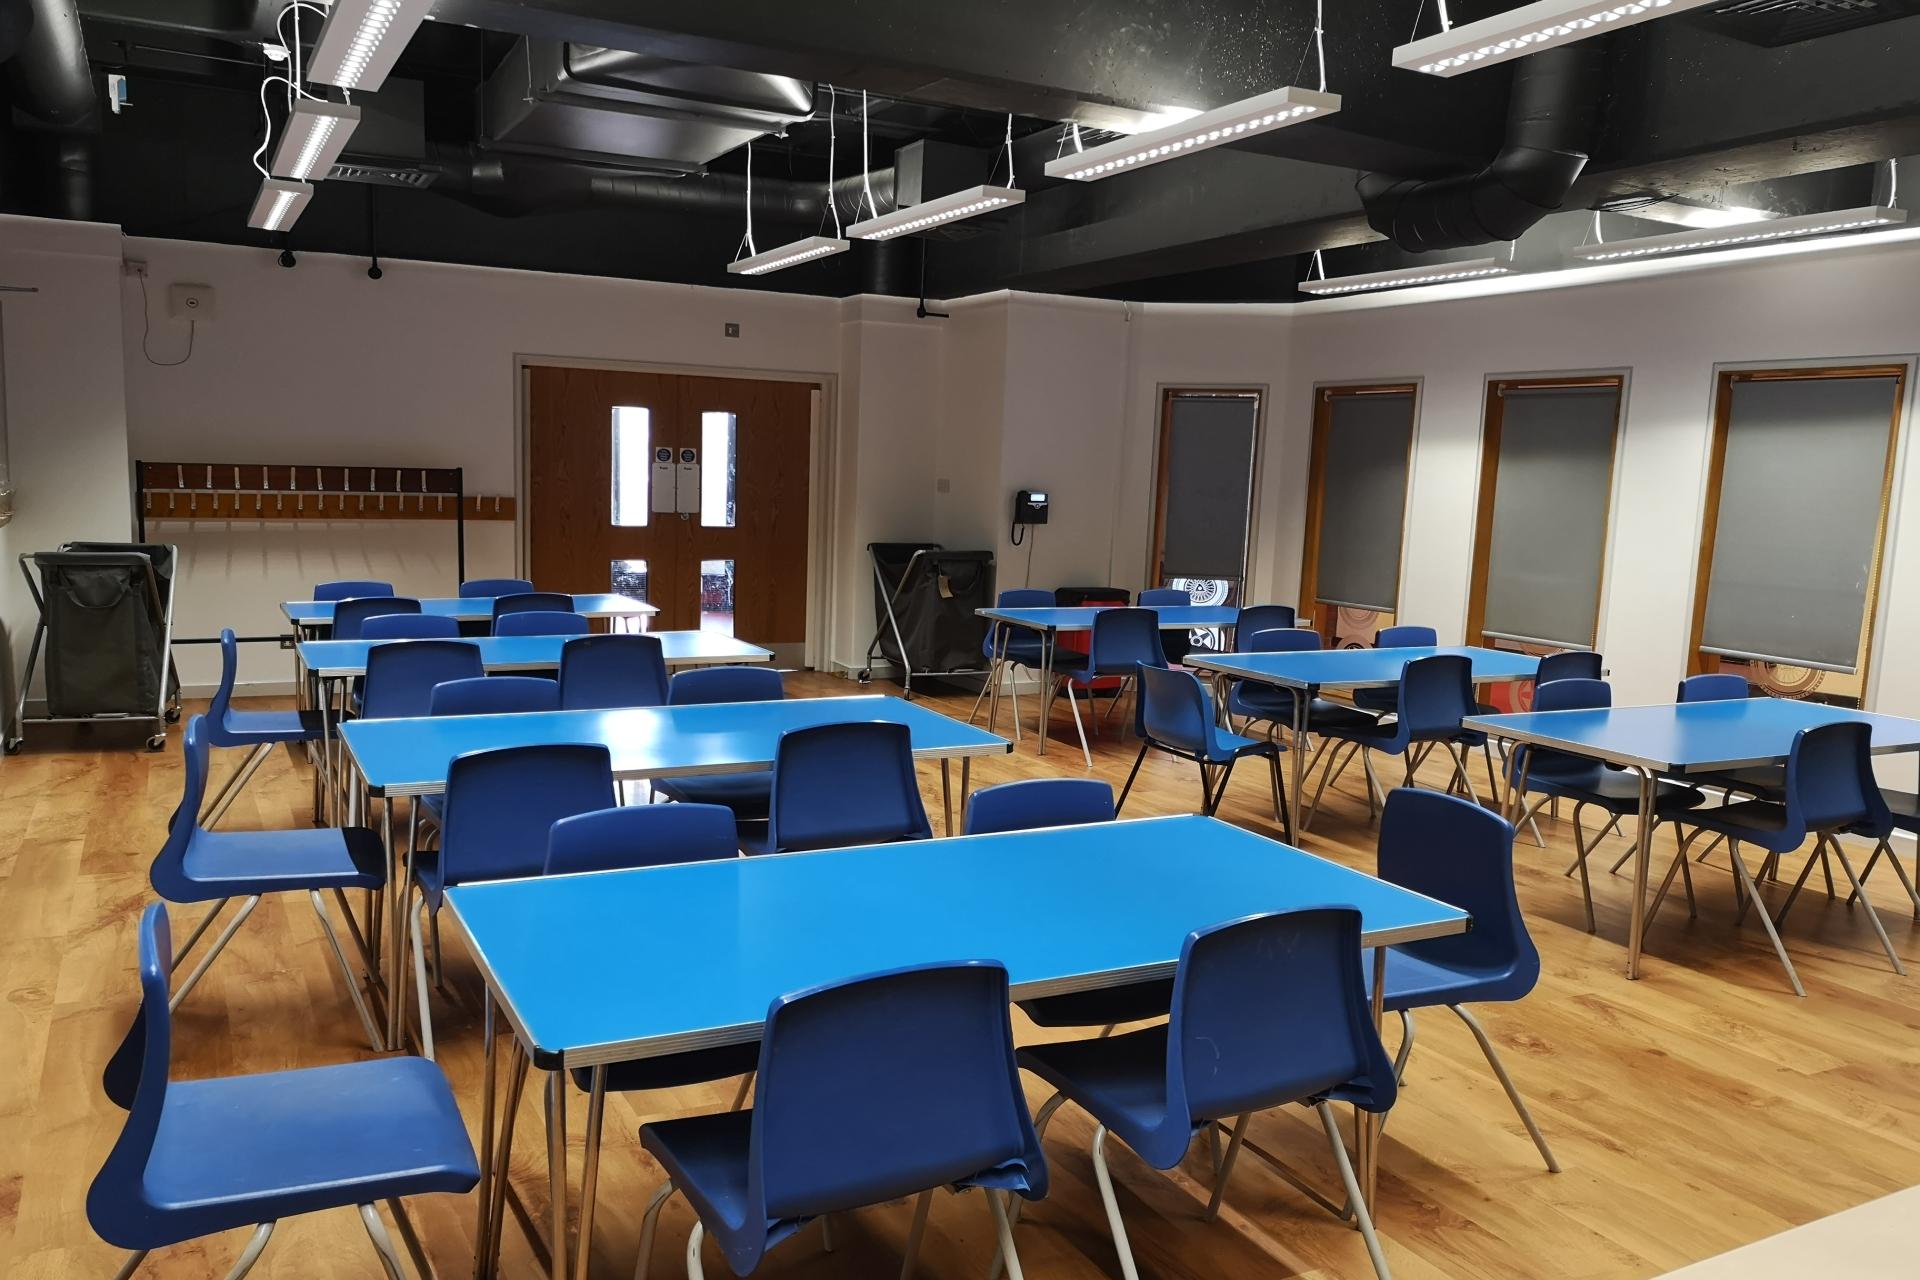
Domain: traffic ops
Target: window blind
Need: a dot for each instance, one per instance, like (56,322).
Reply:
(1209,463)
(1364,500)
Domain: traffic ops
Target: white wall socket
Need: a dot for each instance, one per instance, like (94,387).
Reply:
(190,302)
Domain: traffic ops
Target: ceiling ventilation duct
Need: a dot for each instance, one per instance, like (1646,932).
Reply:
(1550,119)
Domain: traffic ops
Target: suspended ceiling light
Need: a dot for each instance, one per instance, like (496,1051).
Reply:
(279,203)
(362,39)
(1262,113)
(969,203)
(315,134)
(788,255)
(1407,277)
(1528,29)
(1812,224)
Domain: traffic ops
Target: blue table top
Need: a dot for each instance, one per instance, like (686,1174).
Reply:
(1680,737)
(625,964)
(1173,617)
(336,658)
(410,756)
(306,613)
(1358,668)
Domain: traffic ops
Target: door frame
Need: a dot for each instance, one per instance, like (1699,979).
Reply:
(1163,424)
(821,449)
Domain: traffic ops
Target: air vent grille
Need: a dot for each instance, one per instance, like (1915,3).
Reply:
(384,175)
(1779,22)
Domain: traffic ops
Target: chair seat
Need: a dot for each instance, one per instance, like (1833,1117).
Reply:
(1614,790)
(1264,702)
(675,1070)
(748,794)
(249,1149)
(1026,651)
(251,728)
(1232,746)
(1135,1002)
(1122,1079)
(707,1159)
(1760,822)
(231,864)
(1765,781)
(1414,982)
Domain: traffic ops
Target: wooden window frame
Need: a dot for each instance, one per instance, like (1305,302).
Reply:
(1156,546)
(1323,620)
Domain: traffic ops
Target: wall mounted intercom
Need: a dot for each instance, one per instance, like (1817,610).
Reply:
(1029,507)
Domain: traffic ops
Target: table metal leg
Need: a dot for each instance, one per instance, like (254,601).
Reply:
(1371,1123)
(557,1167)
(397,878)
(1047,639)
(1642,857)
(590,1174)
(490,1046)
(946,792)
(487,1254)
(966,787)
(1302,699)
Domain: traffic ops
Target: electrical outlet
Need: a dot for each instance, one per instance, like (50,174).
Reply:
(190,302)
(733,329)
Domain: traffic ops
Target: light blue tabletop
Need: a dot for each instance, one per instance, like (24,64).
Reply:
(337,658)
(308,613)
(683,957)
(1680,737)
(1173,617)
(405,757)
(1358,668)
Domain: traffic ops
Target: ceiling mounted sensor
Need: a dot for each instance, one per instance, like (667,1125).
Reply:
(1811,224)
(1244,119)
(362,39)
(1528,29)
(315,134)
(279,204)
(1407,277)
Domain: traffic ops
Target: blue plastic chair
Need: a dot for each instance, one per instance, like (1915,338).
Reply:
(1716,686)
(1460,854)
(1761,781)
(1434,694)
(725,684)
(199,1157)
(1012,647)
(836,785)
(348,588)
(530,602)
(540,622)
(1174,645)
(1156,597)
(1256,702)
(746,793)
(410,626)
(195,865)
(1551,775)
(259,730)
(1830,788)
(616,670)
(1267,1011)
(401,677)
(1255,618)
(496,819)
(492,696)
(1569,664)
(878,1087)
(348,615)
(1380,701)
(480,588)
(1175,715)
(1122,641)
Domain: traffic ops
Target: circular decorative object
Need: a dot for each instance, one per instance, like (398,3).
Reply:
(1783,681)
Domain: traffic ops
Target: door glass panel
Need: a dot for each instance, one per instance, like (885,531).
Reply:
(629,578)
(632,431)
(717,475)
(716,595)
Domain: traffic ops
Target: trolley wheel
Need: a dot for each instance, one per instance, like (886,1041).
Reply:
(173,715)
(14,745)
(158,742)
(865,676)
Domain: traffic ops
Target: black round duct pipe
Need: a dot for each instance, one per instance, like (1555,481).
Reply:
(52,80)
(16,20)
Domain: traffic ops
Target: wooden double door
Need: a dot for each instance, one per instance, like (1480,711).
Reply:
(689,492)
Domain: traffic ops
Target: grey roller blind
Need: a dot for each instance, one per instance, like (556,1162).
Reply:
(1364,500)
(1549,532)
(1209,466)
(1799,513)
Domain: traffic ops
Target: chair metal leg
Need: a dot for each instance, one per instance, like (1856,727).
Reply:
(1376,795)
(517,1068)
(132,1264)
(1121,803)
(221,905)
(382,1242)
(1873,917)
(1506,1082)
(1220,788)
(219,945)
(1281,812)
(1111,1205)
(346,972)
(1073,705)
(1327,775)
(1582,850)
(1363,1217)
(414,919)
(217,807)
(993,673)
(1118,694)
(1493,781)
(1461,765)
(439,969)
(1800,881)
(916,1232)
(1004,1230)
(648,1221)
(1745,879)
(1226,1163)
(694,1237)
(256,1245)
(826,1232)
(1899,872)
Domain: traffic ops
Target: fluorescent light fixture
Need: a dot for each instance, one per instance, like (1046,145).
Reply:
(362,39)
(1811,224)
(1262,113)
(279,203)
(315,135)
(788,255)
(1158,119)
(1528,29)
(970,203)
(1405,277)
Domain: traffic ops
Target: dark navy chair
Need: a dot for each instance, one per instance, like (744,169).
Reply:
(1461,854)
(530,602)
(1830,789)
(195,865)
(1569,664)
(481,588)
(259,730)
(871,1089)
(1256,702)
(348,615)
(1434,694)
(196,1158)
(1175,715)
(1380,701)
(493,696)
(836,785)
(621,669)
(1903,811)
(348,588)
(1175,645)
(540,622)
(1764,781)
(1255,618)
(401,677)
(1013,647)
(1122,641)
(409,626)
(640,835)
(1267,1011)
(725,684)
(746,793)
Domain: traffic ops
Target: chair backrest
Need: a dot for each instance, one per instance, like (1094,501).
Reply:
(845,784)
(1124,638)
(222,701)
(118,1206)
(1014,598)
(479,588)
(1575,694)
(1255,618)
(348,588)
(1153,597)
(409,626)
(168,870)
(1173,710)
(725,684)
(1405,637)
(1568,664)
(501,806)
(1038,802)
(1024,598)
(1436,693)
(641,835)
(1268,1010)
(1717,686)
(540,622)
(616,670)
(401,678)
(531,602)
(493,695)
(1831,784)
(1458,853)
(349,615)
(884,1085)
(1283,640)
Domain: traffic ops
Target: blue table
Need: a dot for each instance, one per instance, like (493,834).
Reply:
(347,659)
(1680,738)
(1050,623)
(1310,672)
(305,614)
(690,956)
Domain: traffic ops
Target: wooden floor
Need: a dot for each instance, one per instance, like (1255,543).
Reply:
(1698,1109)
